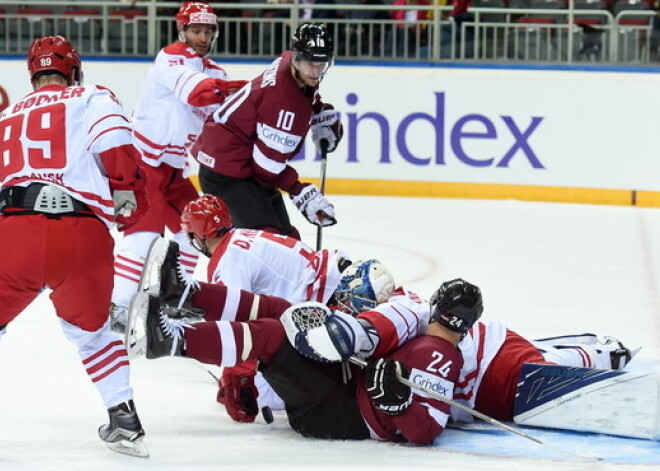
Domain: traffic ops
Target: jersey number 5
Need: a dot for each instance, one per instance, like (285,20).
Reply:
(44,144)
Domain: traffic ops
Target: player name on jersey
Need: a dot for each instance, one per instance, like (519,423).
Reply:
(589,400)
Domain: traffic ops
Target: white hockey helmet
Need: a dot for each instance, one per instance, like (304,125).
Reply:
(364,285)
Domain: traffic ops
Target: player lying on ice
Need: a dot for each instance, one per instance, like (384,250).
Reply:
(320,402)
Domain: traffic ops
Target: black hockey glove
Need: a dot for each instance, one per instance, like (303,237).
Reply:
(387,393)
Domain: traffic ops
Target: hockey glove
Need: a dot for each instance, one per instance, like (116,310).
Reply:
(314,206)
(130,204)
(323,335)
(238,393)
(387,393)
(211,91)
(326,126)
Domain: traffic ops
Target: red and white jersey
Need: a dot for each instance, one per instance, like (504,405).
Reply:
(402,318)
(478,347)
(434,363)
(259,128)
(55,136)
(276,265)
(165,124)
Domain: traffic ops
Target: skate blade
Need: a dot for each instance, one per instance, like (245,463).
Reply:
(135,338)
(150,279)
(135,448)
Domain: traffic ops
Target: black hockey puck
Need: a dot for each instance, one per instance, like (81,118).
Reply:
(268,414)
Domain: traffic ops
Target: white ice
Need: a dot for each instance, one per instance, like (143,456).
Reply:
(546,269)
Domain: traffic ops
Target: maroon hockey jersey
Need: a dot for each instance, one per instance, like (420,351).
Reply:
(259,128)
(434,363)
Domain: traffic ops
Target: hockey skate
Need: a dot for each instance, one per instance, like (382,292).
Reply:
(123,433)
(163,277)
(164,336)
(135,338)
(619,354)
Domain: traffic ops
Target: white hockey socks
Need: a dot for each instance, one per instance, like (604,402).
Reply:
(105,360)
(129,264)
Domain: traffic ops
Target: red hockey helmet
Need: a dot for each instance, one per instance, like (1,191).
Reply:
(55,54)
(195,13)
(205,217)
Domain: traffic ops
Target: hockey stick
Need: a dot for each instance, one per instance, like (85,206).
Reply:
(362,363)
(324,163)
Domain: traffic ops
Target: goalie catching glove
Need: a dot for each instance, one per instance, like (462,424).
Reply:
(326,127)
(327,336)
(314,206)
(388,394)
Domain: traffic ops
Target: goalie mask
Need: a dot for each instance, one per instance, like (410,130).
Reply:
(204,218)
(364,285)
(196,13)
(54,54)
(457,305)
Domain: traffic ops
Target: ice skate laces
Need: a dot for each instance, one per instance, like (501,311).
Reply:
(173,329)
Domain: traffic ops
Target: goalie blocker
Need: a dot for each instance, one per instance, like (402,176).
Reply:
(589,400)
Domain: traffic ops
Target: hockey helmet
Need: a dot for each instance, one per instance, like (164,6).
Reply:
(457,305)
(205,217)
(312,42)
(198,13)
(54,54)
(364,285)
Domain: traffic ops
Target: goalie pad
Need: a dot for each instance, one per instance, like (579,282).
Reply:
(589,400)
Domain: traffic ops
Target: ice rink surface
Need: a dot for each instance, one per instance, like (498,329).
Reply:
(546,269)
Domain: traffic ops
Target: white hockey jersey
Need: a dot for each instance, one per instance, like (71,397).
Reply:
(54,136)
(402,318)
(165,124)
(478,347)
(276,265)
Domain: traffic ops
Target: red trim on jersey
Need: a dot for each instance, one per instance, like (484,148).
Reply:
(127,128)
(218,253)
(209,64)
(180,48)
(473,374)
(387,333)
(89,131)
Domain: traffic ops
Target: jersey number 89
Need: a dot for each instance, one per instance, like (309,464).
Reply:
(44,145)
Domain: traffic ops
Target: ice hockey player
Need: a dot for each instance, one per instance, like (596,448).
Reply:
(259,262)
(245,147)
(320,402)
(493,355)
(67,154)
(182,88)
